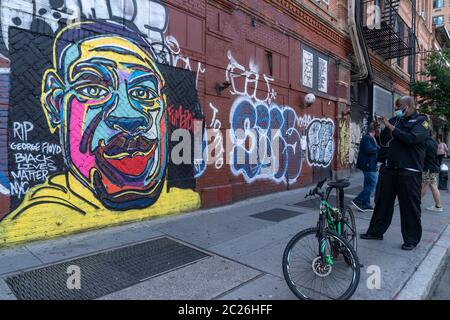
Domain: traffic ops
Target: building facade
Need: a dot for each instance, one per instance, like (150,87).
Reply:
(96,97)
(441,12)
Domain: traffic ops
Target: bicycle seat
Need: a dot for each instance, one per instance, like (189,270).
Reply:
(340,184)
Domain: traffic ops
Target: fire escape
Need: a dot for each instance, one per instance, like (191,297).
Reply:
(390,35)
(386,32)
(378,25)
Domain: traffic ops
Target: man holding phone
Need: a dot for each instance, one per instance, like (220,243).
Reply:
(402,156)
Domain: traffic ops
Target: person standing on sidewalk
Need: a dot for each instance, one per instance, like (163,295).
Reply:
(442,151)
(401,175)
(367,162)
(431,174)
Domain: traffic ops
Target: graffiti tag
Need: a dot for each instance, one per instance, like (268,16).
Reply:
(320,142)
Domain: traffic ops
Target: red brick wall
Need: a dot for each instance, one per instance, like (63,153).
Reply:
(207,30)
(229,28)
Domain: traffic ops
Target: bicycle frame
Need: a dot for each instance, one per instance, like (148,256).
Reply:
(330,218)
(327,214)
(340,197)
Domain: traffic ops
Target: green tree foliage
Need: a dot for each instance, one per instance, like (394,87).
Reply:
(434,94)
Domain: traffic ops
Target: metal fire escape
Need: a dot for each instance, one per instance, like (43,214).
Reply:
(386,32)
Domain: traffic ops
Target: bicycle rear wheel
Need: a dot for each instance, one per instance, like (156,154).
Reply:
(310,278)
(349,232)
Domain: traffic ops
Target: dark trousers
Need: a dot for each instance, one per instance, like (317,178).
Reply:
(405,185)
(441,158)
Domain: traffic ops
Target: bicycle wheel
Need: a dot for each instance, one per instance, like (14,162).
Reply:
(348,231)
(309,278)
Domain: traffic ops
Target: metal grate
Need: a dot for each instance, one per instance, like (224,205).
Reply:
(104,273)
(276,215)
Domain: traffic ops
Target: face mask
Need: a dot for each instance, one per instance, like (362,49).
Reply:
(400,113)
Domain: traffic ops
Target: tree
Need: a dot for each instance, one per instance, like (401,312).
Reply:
(434,94)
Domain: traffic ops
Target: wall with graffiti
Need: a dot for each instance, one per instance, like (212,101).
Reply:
(93,101)
(100,98)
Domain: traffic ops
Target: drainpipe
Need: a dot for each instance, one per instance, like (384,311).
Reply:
(359,46)
(413,41)
(363,64)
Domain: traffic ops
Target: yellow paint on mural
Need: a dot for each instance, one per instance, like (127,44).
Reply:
(344,142)
(64,206)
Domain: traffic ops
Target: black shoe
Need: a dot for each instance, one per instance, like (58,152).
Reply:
(367,236)
(358,206)
(408,247)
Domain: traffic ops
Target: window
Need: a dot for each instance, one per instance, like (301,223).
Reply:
(315,68)
(323,75)
(308,69)
(438,20)
(437,4)
(382,102)
(270,62)
(319,2)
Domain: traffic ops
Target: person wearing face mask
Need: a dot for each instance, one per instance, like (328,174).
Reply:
(402,157)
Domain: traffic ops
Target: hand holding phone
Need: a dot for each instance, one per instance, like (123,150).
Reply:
(378,118)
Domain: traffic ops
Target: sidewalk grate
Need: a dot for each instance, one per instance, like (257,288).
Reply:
(276,215)
(315,203)
(104,273)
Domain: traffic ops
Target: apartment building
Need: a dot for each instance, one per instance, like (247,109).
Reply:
(441,12)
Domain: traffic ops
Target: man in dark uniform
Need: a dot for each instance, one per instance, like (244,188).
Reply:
(403,153)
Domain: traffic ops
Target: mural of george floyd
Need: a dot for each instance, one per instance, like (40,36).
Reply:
(96,96)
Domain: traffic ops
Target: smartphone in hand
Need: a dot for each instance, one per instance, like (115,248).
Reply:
(378,118)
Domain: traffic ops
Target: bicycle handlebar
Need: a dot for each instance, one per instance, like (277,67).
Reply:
(316,191)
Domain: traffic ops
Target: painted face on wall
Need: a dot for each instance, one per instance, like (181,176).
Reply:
(107,100)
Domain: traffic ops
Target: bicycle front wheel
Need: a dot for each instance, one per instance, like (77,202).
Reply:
(310,277)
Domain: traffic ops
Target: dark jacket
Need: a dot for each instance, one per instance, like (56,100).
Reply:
(404,148)
(431,158)
(367,157)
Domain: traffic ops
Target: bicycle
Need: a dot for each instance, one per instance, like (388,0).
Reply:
(324,253)
(348,222)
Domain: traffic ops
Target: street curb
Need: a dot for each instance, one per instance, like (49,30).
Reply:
(422,283)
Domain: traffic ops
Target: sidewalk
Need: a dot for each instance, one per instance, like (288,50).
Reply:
(240,254)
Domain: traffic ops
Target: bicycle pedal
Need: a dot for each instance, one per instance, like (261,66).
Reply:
(361,265)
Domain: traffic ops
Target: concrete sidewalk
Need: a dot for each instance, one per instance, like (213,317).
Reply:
(245,252)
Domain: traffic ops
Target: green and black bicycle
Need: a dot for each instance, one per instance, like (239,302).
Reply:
(321,263)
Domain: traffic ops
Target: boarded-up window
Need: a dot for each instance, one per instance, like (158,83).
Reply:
(323,75)
(268,62)
(187,29)
(307,69)
(382,102)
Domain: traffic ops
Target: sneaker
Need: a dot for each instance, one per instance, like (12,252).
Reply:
(435,209)
(367,208)
(358,205)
